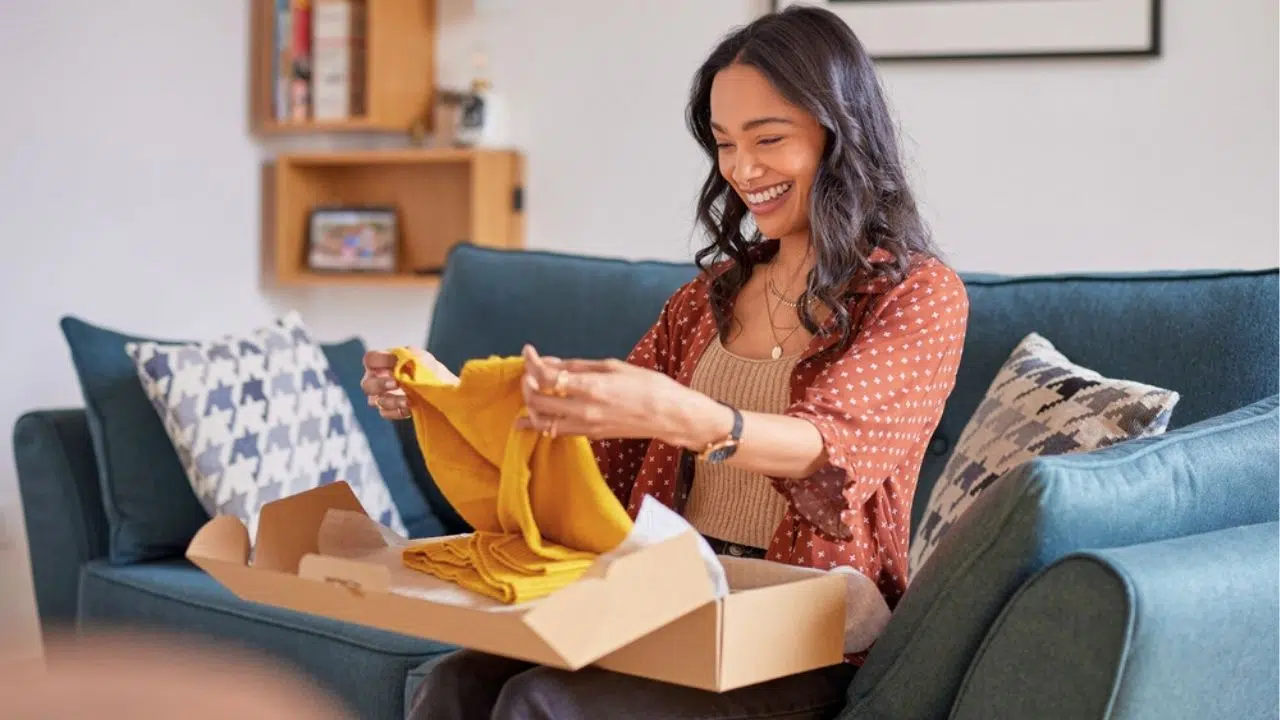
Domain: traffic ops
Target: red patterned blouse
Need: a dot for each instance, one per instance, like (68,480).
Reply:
(876,406)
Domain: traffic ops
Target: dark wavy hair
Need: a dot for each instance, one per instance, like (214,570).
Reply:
(860,199)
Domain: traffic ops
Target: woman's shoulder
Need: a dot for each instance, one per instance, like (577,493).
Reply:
(923,274)
(927,296)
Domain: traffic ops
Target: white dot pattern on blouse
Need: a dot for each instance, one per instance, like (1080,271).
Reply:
(876,407)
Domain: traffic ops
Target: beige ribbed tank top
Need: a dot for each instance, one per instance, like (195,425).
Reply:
(725,502)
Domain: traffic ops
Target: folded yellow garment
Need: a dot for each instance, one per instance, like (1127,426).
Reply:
(540,508)
(497,565)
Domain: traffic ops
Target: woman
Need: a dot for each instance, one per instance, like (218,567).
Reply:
(784,398)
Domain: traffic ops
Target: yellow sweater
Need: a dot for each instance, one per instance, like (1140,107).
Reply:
(540,508)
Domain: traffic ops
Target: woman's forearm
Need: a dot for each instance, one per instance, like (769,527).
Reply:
(772,445)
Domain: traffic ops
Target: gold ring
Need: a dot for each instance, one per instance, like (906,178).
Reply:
(562,383)
(550,432)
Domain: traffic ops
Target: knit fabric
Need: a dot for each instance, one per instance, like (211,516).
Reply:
(540,509)
(726,502)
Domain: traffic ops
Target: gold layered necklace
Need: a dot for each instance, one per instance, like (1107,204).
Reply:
(778,342)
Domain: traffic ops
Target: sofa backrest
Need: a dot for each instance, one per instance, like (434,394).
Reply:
(492,302)
(1212,336)
(1209,335)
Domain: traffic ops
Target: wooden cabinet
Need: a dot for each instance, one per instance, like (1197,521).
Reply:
(441,197)
(392,65)
(381,53)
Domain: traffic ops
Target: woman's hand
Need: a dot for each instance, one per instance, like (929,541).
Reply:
(615,399)
(382,389)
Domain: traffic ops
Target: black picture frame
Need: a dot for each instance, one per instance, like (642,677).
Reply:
(1152,49)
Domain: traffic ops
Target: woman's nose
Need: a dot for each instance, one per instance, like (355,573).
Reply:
(745,168)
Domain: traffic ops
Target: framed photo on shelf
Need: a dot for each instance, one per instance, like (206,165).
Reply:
(353,239)
(955,29)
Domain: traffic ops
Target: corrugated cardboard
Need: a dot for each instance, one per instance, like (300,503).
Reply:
(760,631)
(651,613)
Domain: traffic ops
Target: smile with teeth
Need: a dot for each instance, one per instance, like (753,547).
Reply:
(767,194)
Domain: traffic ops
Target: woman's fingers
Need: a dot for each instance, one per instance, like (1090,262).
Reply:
(393,411)
(375,386)
(529,388)
(392,404)
(547,406)
(565,378)
(546,364)
(375,382)
(379,360)
(547,368)
(378,384)
(589,366)
(537,368)
(563,426)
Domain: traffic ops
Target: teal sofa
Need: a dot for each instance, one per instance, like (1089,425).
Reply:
(1133,582)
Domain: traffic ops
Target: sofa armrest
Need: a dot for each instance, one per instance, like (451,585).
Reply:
(1183,628)
(61,504)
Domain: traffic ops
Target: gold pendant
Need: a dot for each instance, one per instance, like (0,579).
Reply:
(777,352)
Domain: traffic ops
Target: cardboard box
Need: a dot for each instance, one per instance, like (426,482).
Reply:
(764,629)
(652,612)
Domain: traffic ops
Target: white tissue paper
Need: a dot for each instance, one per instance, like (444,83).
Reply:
(656,522)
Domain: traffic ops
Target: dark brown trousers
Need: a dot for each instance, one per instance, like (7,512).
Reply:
(469,685)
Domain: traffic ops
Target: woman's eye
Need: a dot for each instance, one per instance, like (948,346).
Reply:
(769,140)
(723,145)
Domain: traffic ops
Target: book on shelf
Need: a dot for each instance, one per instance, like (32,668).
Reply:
(319,60)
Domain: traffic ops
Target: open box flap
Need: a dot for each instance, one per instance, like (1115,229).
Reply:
(288,528)
(221,548)
(222,539)
(649,588)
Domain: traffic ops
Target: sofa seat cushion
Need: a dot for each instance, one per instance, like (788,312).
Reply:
(1216,474)
(365,667)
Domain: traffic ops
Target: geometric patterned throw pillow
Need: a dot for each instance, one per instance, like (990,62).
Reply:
(1040,403)
(258,417)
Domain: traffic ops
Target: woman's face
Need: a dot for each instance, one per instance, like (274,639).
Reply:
(769,150)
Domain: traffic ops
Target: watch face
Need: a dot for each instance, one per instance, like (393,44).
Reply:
(721,454)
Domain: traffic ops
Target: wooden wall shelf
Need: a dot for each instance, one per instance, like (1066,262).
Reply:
(396,50)
(442,197)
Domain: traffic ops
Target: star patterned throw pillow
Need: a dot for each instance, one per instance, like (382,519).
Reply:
(258,417)
(1040,403)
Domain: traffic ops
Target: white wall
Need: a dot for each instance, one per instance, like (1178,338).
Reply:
(1106,164)
(125,167)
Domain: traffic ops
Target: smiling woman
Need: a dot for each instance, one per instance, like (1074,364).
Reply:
(783,399)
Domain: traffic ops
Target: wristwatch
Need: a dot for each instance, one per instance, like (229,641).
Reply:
(720,450)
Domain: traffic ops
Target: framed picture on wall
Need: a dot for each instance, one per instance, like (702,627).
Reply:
(353,239)
(952,29)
